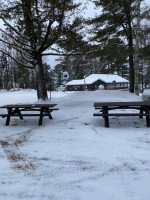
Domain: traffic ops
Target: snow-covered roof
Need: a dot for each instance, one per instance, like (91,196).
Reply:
(106,78)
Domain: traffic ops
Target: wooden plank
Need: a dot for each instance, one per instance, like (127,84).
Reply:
(28,105)
(138,103)
(121,114)
(24,115)
(121,107)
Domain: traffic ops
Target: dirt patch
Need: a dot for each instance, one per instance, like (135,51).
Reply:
(17,159)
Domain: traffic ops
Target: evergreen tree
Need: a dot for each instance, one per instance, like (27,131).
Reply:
(114,55)
(57,73)
(34,26)
(3,69)
(116,20)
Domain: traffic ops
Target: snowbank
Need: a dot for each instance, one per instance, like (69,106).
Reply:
(146,95)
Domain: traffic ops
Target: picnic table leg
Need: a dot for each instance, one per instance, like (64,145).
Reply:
(105,111)
(41,116)
(48,111)
(8,117)
(50,116)
(147,111)
(19,113)
(141,112)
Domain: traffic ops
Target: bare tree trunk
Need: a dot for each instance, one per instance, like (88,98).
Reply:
(41,83)
(137,40)
(131,65)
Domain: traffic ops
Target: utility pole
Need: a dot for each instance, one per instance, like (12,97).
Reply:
(50,87)
(84,82)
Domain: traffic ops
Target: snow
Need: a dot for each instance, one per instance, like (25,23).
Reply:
(146,95)
(106,78)
(73,156)
(146,92)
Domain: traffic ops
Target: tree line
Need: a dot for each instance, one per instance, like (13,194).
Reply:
(116,41)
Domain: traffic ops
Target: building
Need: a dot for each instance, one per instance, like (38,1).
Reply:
(97,81)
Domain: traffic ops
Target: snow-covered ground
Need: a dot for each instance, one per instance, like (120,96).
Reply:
(73,156)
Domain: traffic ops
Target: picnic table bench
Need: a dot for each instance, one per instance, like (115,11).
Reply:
(105,107)
(29,110)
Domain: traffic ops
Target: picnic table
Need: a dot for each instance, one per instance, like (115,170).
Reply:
(28,110)
(142,106)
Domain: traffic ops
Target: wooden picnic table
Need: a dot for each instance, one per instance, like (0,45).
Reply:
(105,107)
(29,110)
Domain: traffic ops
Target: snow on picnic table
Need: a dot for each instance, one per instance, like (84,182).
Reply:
(73,156)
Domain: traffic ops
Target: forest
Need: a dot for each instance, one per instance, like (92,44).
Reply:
(115,41)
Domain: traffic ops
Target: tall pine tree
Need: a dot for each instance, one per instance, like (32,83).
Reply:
(116,20)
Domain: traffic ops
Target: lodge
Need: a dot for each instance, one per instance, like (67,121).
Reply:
(98,81)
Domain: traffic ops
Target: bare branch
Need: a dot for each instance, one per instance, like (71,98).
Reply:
(17,40)
(69,54)
(6,53)
(11,27)
(59,28)
(46,36)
